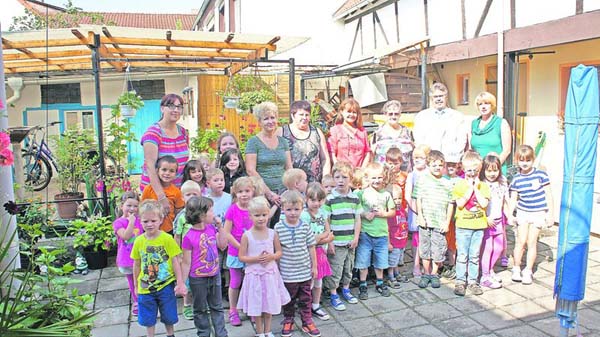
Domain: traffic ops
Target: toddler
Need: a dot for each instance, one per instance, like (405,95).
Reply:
(201,265)
(378,206)
(263,292)
(127,227)
(314,215)
(156,270)
(237,221)
(531,195)
(449,270)
(194,171)
(398,229)
(472,198)
(328,183)
(166,170)
(298,264)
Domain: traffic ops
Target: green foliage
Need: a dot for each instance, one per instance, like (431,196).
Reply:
(130,98)
(32,222)
(72,158)
(41,305)
(251,90)
(70,18)
(95,233)
(244,136)
(205,142)
(119,131)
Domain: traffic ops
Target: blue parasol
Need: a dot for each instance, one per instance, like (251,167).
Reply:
(582,114)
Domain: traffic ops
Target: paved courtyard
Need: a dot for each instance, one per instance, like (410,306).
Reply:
(514,310)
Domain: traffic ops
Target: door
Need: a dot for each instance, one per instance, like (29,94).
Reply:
(144,117)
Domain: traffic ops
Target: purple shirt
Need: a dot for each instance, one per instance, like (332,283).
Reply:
(205,256)
(124,247)
(240,220)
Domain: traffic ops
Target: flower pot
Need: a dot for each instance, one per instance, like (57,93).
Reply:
(96,260)
(230,102)
(67,204)
(127,111)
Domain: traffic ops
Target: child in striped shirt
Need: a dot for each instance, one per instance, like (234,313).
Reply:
(298,263)
(531,195)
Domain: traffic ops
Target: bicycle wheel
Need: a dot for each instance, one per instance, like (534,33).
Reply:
(36,170)
(111,168)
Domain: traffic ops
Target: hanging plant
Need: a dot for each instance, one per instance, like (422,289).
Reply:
(244,92)
(128,103)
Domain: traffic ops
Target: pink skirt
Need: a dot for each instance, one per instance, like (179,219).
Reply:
(323,267)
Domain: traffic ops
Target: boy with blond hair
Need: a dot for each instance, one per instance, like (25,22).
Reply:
(295,179)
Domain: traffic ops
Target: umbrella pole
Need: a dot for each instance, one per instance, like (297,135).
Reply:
(566,311)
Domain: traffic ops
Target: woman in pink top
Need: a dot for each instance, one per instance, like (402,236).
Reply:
(348,139)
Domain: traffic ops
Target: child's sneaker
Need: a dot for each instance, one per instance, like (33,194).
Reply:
(320,313)
(383,290)
(188,312)
(527,277)
(424,281)
(496,277)
(288,328)
(435,281)
(234,318)
(489,282)
(336,303)
(392,283)
(459,289)
(449,273)
(269,334)
(363,294)
(134,309)
(475,289)
(348,296)
(310,329)
(504,261)
(402,278)
(516,274)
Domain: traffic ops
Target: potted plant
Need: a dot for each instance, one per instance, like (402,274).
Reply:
(94,237)
(206,141)
(245,91)
(128,103)
(73,164)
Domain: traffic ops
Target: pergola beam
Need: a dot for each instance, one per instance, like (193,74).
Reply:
(126,52)
(40,43)
(52,54)
(104,52)
(23,50)
(35,63)
(187,43)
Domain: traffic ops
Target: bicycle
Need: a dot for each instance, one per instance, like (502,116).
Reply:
(38,160)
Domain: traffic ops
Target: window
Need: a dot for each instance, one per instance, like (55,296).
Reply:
(61,93)
(80,120)
(491,79)
(149,89)
(462,89)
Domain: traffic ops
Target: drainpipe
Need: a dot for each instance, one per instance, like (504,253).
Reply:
(16,84)
(500,62)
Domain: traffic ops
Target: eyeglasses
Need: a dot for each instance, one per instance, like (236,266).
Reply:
(174,107)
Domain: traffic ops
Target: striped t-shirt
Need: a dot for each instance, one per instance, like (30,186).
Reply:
(176,147)
(342,210)
(295,264)
(436,195)
(530,187)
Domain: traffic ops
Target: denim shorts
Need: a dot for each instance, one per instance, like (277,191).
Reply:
(164,301)
(396,257)
(371,250)
(432,244)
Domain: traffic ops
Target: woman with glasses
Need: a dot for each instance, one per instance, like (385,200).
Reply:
(393,134)
(308,146)
(162,138)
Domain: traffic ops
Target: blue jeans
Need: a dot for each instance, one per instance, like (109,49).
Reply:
(468,246)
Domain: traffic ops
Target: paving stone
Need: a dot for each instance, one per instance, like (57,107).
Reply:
(495,319)
(369,326)
(417,297)
(382,304)
(551,327)
(527,311)
(402,319)
(85,287)
(112,330)
(469,305)
(592,297)
(522,330)
(530,291)
(111,272)
(589,319)
(423,331)
(115,283)
(461,327)
(548,302)
(546,281)
(184,333)
(109,299)
(445,292)
(334,329)
(437,311)
(500,298)
(112,316)
(352,312)
(91,275)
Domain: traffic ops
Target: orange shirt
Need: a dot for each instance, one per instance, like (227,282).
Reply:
(176,202)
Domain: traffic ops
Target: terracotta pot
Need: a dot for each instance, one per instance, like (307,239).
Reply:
(67,204)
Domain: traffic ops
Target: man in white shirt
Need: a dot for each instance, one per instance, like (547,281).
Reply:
(441,127)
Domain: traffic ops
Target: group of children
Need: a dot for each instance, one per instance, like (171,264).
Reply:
(210,239)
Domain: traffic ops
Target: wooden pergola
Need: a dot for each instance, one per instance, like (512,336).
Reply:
(70,50)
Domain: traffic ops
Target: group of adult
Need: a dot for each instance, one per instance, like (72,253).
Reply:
(300,144)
